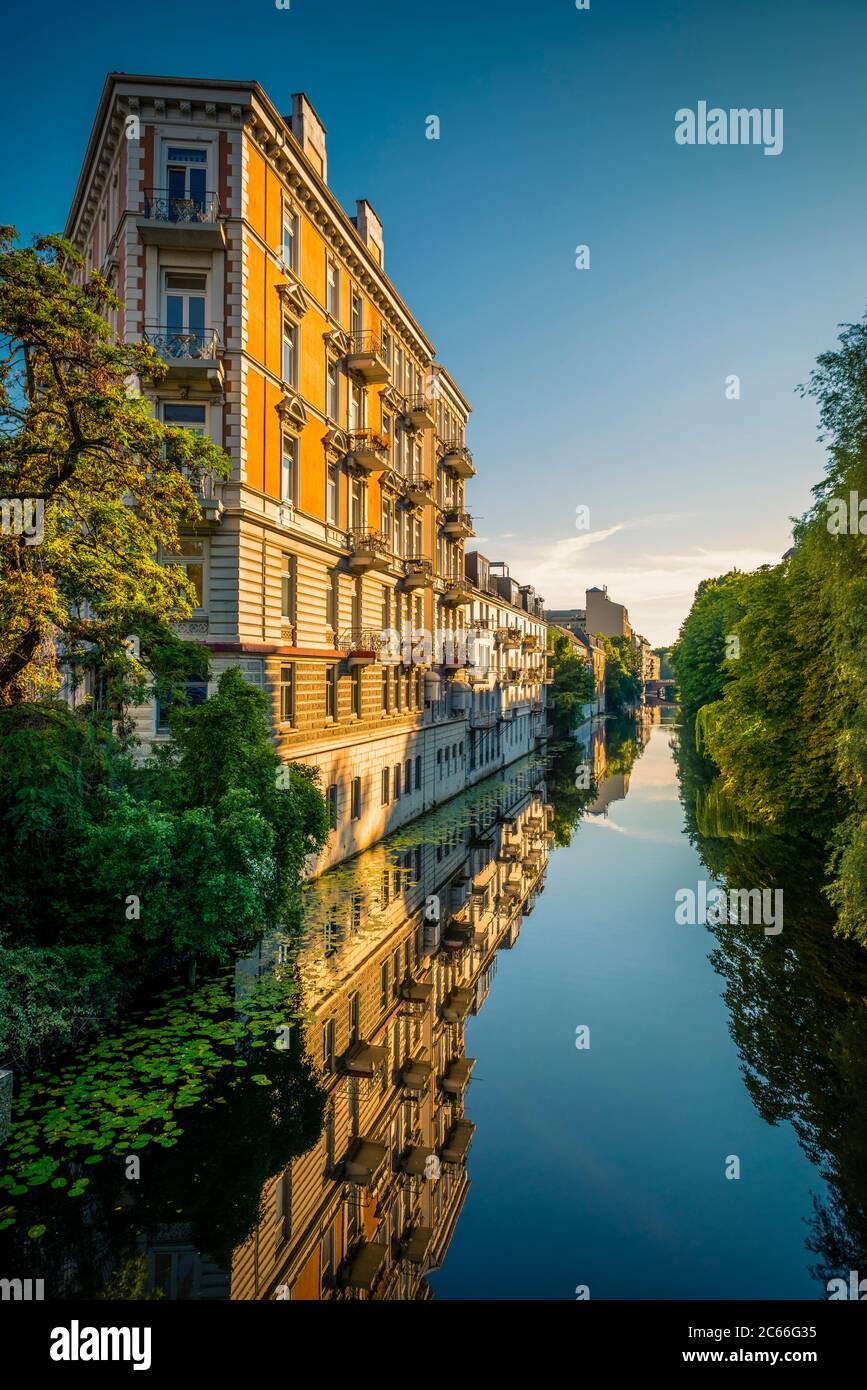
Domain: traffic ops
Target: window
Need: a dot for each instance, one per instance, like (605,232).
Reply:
(290,239)
(186,176)
(407,777)
(184,416)
(356,406)
(355,315)
(287,589)
(356,693)
(386,690)
(332,289)
(289,470)
(397,781)
(331,797)
(190,555)
(353,1018)
(287,694)
(383,986)
(388,435)
(417,773)
(283,1204)
(328,1045)
(386,346)
(290,353)
(185,297)
(386,795)
(196,694)
(356,798)
(357,504)
(332,389)
(333,602)
(331,692)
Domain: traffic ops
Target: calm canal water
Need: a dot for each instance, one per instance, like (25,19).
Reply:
(387,1101)
(606,1166)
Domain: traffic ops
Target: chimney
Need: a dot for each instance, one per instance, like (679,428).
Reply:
(310,133)
(369,228)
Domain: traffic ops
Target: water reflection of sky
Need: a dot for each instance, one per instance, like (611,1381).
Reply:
(606,1166)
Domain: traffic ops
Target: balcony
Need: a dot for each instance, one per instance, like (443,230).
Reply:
(451,659)
(418,574)
(458,937)
(417,1244)
(366,1265)
(415,996)
(456,593)
(185,222)
(191,356)
(367,449)
(368,550)
(458,525)
(364,1060)
(458,893)
(416,1160)
(509,637)
(205,488)
(483,719)
(458,458)
(366,357)
(415,1074)
(363,1162)
(421,413)
(363,646)
(509,854)
(457,1074)
(457,1005)
(456,1146)
(418,490)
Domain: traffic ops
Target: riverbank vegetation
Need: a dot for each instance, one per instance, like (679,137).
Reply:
(573,685)
(772,665)
(114,874)
(623,682)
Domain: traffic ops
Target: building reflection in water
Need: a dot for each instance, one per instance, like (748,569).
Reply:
(399,950)
(611,772)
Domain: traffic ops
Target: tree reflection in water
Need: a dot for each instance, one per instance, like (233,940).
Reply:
(796,1002)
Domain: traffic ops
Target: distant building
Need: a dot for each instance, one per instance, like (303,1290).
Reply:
(605,616)
(572,619)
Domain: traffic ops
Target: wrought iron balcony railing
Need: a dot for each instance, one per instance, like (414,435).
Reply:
(361,639)
(366,344)
(162,206)
(417,482)
(183,345)
(366,538)
(368,443)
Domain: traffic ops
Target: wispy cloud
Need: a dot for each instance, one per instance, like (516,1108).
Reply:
(656,586)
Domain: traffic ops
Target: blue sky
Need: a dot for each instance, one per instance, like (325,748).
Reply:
(604,387)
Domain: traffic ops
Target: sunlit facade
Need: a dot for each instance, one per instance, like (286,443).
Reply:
(330,567)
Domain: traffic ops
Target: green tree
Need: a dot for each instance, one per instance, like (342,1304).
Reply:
(701,656)
(113,875)
(573,685)
(622,674)
(114,484)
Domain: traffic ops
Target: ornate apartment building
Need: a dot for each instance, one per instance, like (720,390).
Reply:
(330,566)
